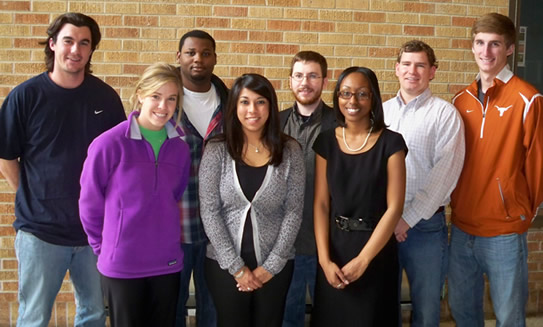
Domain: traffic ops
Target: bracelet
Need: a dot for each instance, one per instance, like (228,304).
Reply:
(240,274)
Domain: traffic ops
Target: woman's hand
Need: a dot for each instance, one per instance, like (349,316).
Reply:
(354,268)
(334,275)
(262,274)
(247,282)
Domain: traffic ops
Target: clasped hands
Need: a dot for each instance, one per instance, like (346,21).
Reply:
(248,281)
(340,278)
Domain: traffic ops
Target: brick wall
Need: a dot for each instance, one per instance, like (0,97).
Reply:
(535,266)
(252,36)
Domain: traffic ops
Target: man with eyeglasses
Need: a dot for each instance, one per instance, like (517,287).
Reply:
(434,133)
(304,121)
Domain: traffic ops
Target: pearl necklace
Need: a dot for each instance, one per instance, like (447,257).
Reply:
(363,144)
(257,150)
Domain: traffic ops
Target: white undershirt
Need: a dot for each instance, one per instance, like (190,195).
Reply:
(199,107)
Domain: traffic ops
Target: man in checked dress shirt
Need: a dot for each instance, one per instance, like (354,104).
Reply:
(434,133)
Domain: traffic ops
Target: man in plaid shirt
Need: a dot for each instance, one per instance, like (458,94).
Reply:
(204,101)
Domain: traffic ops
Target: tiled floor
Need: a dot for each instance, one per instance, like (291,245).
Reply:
(530,322)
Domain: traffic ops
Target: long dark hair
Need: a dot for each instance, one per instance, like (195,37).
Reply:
(272,136)
(376,103)
(78,20)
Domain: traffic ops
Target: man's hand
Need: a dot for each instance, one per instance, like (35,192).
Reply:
(401,230)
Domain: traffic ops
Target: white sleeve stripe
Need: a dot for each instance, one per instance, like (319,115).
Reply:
(528,104)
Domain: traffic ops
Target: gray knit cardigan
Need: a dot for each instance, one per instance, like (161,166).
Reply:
(276,209)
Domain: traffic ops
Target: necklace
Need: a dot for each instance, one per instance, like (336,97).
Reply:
(363,144)
(257,150)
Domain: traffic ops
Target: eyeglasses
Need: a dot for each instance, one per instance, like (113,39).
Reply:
(298,77)
(360,95)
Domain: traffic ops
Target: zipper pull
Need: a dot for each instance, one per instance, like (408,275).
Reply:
(503,199)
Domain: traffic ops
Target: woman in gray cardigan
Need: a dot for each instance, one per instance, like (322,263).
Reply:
(251,199)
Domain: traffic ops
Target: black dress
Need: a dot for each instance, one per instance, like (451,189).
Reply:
(357,184)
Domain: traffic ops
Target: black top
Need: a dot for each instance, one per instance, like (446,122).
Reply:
(357,182)
(49,128)
(480,93)
(250,180)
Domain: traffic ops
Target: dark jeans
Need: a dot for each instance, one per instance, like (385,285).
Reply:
(193,261)
(424,256)
(303,278)
(147,301)
(263,307)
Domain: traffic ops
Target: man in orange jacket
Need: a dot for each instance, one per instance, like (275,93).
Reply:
(501,185)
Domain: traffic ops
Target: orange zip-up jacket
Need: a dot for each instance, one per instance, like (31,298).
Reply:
(501,184)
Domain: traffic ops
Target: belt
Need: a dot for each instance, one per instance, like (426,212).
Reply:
(354,224)
(440,209)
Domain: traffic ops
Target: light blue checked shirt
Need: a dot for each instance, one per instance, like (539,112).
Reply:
(434,133)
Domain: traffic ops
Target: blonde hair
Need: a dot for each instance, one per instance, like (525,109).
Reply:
(153,78)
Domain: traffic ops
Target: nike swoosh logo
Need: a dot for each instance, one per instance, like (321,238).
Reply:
(97,112)
(468,111)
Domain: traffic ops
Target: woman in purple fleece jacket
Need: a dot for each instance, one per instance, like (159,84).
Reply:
(132,180)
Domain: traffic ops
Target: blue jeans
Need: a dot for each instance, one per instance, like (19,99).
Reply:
(423,255)
(305,273)
(194,257)
(503,259)
(42,267)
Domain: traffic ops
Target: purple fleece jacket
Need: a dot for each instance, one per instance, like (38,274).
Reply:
(128,203)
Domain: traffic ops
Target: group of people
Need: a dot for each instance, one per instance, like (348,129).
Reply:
(260,206)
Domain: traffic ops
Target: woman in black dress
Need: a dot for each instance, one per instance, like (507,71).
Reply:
(359,196)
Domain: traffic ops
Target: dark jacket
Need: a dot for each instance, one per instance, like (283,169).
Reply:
(192,229)
(305,132)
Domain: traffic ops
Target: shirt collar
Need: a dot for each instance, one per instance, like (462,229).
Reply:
(504,75)
(134,129)
(417,102)
(315,115)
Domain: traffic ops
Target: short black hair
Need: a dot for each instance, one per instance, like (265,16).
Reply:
(199,34)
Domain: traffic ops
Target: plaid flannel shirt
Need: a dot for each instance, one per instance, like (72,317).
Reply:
(192,230)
